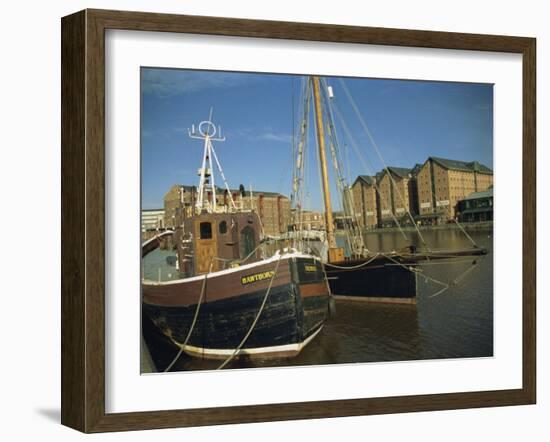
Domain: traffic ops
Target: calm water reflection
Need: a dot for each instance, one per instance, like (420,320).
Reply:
(455,324)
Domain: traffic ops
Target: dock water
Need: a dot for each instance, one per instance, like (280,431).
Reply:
(456,324)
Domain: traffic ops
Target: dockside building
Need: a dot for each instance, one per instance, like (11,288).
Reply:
(442,183)
(476,207)
(273,208)
(395,196)
(431,192)
(364,200)
(152,219)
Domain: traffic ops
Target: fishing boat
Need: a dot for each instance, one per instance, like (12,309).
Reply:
(232,300)
(389,276)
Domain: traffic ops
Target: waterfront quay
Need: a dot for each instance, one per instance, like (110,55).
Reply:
(482,225)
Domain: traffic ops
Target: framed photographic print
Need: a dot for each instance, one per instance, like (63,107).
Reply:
(268,220)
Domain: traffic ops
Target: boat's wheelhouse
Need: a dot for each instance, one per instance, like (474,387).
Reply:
(214,241)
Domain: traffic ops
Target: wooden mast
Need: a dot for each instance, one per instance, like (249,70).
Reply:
(334,253)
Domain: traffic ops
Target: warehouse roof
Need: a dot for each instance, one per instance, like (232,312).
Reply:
(462,165)
(401,172)
(416,169)
(367,179)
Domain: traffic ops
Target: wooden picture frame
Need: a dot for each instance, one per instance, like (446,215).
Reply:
(83,220)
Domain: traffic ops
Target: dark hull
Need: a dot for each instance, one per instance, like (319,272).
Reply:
(385,278)
(378,281)
(294,312)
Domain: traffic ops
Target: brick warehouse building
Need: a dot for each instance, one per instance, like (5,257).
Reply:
(313,220)
(364,200)
(272,208)
(442,183)
(395,195)
(430,191)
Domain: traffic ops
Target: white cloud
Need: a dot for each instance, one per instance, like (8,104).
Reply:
(277,137)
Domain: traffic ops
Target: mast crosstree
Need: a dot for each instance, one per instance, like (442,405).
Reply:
(208,132)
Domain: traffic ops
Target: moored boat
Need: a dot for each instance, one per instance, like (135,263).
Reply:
(280,303)
(362,275)
(376,279)
(232,300)
(387,277)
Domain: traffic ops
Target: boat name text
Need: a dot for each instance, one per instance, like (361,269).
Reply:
(257,277)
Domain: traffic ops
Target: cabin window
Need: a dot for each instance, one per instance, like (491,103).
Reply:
(247,241)
(206,230)
(223,227)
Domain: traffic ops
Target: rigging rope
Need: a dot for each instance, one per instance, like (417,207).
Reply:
(223,177)
(365,166)
(299,176)
(371,138)
(230,358)
(464,231)
(353,233)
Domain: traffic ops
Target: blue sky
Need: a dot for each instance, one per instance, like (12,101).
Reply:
(409,120)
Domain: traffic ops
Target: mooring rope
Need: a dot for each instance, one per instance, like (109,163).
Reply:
(413,270)
(463,275)
(195,317)
(455,281)
(445,285)
(464,231)
(230,358)
(444,289)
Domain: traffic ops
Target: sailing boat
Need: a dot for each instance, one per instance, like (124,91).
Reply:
(232,301)
(384,276)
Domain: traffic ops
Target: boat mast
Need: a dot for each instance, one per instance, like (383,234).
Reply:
(208,132)
(334,253)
